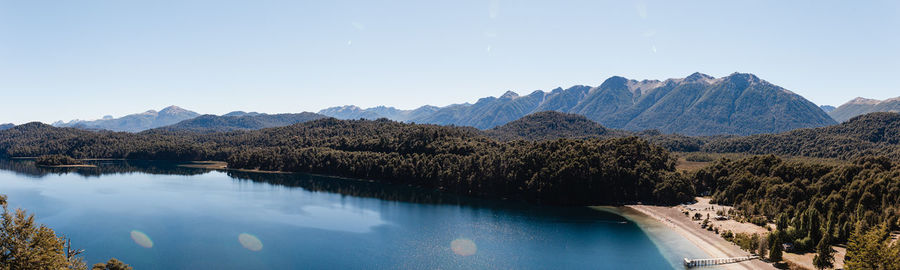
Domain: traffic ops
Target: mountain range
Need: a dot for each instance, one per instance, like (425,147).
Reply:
(354,112)
(240,121)
(699,104)
(174,118)
(134,122)
(860,106)
(740,104)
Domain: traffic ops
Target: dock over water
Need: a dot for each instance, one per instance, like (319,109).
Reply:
(716,261)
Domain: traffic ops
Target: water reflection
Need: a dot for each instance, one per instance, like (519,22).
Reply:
(352,187)
(315,183)
(26,167)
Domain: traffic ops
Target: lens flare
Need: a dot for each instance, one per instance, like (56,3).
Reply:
(250,242)
(141,239)
(463,247)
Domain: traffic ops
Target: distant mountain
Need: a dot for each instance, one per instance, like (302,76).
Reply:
(6,126)
(699,104)
(353,112)
(241,113)
(870,134)
(860,106)
(134,122)
(548,125)
(240,121)
(827,108)
(488,112)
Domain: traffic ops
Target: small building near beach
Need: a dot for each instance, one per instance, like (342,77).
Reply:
(788,247)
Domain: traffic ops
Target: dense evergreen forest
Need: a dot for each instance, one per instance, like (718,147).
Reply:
(865,135)
(808,201)
(549,125)
(454,159)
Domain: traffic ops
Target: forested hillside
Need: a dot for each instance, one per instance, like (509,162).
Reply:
(871,134)
(550,125)
(36,139)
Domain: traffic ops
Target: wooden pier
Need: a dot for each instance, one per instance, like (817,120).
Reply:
(716,261)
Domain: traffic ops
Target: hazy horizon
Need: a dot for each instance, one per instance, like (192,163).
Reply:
(86,60)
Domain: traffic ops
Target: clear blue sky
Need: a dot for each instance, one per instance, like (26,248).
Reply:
(85,59)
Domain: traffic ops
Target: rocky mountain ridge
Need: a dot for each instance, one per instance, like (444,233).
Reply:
(699,104)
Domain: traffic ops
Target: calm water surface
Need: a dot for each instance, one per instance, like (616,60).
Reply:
(156,215)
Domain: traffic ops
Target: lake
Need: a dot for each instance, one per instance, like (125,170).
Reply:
(159,215)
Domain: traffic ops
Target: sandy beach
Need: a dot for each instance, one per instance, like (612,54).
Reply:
(221,166)
(709,242)
(715,245)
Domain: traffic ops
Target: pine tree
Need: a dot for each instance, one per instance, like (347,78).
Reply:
(763,245)
(782,222)
(775,252)
(867,249)
(892,257)
(824,253)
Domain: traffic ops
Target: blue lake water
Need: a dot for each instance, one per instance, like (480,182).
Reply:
(156,215)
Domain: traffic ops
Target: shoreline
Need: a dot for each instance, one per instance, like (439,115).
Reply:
(69,166)
(710,243)
(222,166)
(204,164)
(670,244)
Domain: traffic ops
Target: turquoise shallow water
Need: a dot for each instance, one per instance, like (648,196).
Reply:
(156,215)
